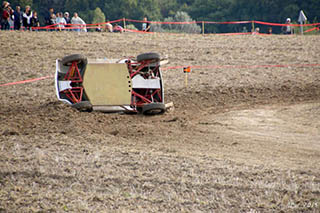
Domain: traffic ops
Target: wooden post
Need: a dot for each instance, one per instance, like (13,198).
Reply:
(124,23)
(202,27)
(186,70)
(253,28)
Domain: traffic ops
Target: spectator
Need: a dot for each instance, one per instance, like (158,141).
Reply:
(27,18)
(145,25)
(67,18)
(109,27)
(117,28)
(17,18)
(78,23)
(53,18)
(35,20)
(270,30)
(1,12)
(11,24)
(60,21)
(6,13)
(98,28)
(48,17)
(244,29)
(287,29)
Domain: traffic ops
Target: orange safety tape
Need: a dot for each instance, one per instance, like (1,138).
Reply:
(26,81)
(192,67)
(71,26)
(225,22)
(242,66)
(144,32)
(312,29)
(248,33)
(293,25)
(161,22)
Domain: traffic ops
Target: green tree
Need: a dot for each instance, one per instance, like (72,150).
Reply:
(168,7)
(116,9)
(98,16)
(148,8)
(213,10)
(22,3)
(184,28)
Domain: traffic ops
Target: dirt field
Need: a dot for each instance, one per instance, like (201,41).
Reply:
(239,139)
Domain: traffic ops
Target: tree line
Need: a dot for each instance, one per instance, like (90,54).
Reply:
(201,10)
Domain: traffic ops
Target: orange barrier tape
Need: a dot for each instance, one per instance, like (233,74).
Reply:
(189,67)
(242,66)
(71,26)
(248,33)
(225,22)
(26,81)
(293,25)
(144,32)
(160,22)
(74,26)
(312,29)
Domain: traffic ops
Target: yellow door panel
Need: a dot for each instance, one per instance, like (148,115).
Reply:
(107,84)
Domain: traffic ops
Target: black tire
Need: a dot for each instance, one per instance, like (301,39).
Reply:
(68,60)
(83,106)
(155,57)
(153,109)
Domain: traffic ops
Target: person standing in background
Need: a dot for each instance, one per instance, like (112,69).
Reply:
(17,18)
(11,23)
(67,18)
(5,16)
(145,25)
(27,18)
(48,17)
(78,23)
(35,20)
(287,29)
(60,21)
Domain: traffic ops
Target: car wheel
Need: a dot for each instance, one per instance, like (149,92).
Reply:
(83,106)
(155,57)
(68,60)
(153,109)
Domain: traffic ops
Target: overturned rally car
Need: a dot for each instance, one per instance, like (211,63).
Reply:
(111,85)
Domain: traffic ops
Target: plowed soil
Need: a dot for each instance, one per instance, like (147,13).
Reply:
(241,137)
